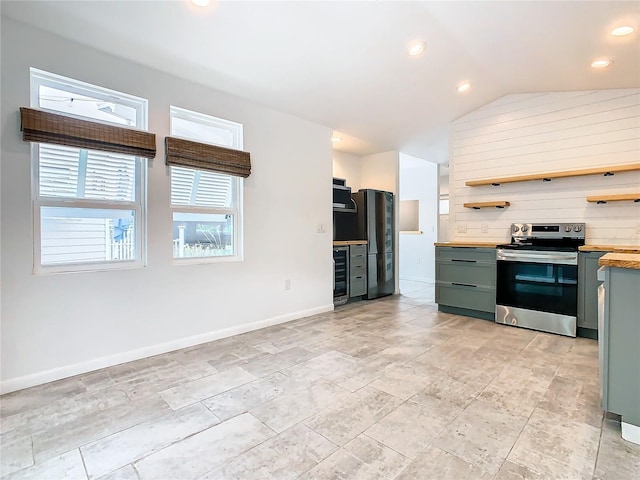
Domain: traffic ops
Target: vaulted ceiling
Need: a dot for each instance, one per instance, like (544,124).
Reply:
(345,64)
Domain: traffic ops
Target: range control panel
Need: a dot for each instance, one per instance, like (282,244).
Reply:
(520,231)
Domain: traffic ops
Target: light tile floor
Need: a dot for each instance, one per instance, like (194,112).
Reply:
(382,389)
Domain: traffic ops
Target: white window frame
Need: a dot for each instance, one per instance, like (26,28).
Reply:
(236,130)
(443,204)
(41,78)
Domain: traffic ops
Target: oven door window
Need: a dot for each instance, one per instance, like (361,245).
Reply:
(538,286)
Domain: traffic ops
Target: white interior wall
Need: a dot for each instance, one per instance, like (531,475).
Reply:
(349,167)
(546,132)
(419,181)
(54,326)
(380,171)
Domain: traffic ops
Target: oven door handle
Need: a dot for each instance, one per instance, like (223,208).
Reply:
(550,257)
(556,258)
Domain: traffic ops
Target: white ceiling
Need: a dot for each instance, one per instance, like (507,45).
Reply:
(345,65)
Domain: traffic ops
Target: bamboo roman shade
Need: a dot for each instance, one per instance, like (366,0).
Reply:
(187,153)
(47,127)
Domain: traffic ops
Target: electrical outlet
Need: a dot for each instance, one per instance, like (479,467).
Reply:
(320,228)
(484,228)
(462,228)
(287,284)
(418,261)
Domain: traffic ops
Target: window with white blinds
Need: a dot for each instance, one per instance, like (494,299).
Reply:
(88,205)
(200,188)
(206,206)
(77,173)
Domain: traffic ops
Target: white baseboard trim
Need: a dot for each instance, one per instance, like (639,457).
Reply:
(417,279)
(630,433)
(26,381)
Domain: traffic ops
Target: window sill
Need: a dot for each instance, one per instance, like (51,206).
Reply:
(206,260)
(86,268)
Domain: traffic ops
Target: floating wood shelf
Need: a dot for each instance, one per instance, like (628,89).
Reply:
(411,232)
(478,205)
(634,197)
(546,177)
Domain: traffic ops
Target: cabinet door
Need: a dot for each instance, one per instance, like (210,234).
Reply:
(466,296)
(621,334)
(358,250)
(466,278)
(355,270)
(466,271)
(358,257)
(466,253)
(358,285)
(588,289)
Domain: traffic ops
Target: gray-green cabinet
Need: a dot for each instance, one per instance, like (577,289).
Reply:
(618,342)
(357,270)
(588,284)
(466,280)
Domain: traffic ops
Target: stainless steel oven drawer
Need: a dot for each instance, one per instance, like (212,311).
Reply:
(460,295)
(476,273)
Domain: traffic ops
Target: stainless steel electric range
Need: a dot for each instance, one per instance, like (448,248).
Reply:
(537,277)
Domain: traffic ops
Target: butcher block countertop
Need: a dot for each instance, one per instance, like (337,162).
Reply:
(343,243)
(610,248)
(620,260)
(467,244)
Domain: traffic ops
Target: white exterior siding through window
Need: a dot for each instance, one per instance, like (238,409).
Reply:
(206,206)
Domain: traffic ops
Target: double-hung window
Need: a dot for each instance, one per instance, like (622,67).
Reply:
(88,205)
(206,205)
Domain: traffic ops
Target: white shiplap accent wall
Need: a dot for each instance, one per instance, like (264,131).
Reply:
(546,132)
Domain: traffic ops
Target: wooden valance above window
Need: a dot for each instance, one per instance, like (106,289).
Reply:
(46,127)
(187,153)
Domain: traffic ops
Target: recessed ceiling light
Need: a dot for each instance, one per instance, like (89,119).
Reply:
(416,47)
(621,31)
(602,63)
(463,87)
(201,3)
(336,139)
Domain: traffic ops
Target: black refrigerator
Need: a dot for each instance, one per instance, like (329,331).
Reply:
(376,222)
